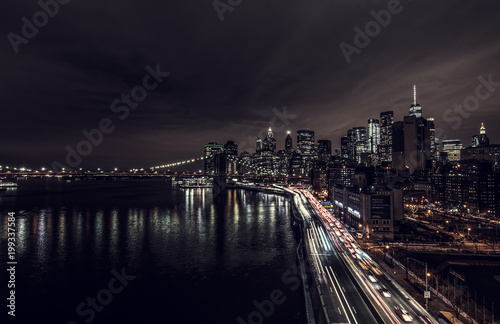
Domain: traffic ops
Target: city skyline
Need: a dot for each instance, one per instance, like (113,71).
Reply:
(233,161)
(219,79)
(280,145)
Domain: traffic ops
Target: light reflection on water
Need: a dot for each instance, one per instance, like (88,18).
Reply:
(166,237)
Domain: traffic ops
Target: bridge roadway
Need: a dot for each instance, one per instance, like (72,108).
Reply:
(349,279)
(342,301)
(99,175)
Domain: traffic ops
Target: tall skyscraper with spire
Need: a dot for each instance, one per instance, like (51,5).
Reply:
(269,143)
(481,139)
(415,108)
(417,143)
(265,155)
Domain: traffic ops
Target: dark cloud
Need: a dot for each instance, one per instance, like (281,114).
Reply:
(226,77)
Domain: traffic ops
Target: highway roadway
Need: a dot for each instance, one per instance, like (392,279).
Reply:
(341,262)
(342,300)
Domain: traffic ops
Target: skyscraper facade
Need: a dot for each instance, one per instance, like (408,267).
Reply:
(324,152)
(307,149)
(416,143)
(452,149)
(417,137)
(398,146)
(385,147)
(433,143)
(350,144)
(373,138)
(481,139)
(231,150)
(266,153)
(211,150)
(344,147)
(359,142)
(288,142)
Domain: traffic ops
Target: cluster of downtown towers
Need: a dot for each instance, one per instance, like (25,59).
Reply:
(387,154)
(410,143)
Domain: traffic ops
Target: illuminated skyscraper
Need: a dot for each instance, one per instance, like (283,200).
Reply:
(359,142)
(415,108)
(269,143)
(373,141)
(481,139)
(265,156)
(306,147)
(452,149)
(305,142)
(385,147)
(433,143)
(373,138)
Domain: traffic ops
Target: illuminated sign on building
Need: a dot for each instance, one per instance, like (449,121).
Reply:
(353,212)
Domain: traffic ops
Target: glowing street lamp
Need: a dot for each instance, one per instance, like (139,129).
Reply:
(427,275)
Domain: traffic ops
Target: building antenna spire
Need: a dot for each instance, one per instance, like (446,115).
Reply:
(414,95)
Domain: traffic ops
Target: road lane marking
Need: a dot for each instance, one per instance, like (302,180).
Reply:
(338,296)
(345,298)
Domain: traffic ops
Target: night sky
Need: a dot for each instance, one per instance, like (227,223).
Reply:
(228,78)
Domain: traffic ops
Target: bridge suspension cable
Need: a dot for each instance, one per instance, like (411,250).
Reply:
(249,164)
(254,168)
(170,165)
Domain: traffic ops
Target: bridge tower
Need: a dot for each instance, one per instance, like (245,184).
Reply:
(220,178)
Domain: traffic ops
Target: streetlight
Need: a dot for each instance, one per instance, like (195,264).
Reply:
(426,292)
(437,288)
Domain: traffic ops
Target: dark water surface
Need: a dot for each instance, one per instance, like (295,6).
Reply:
(189,258)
